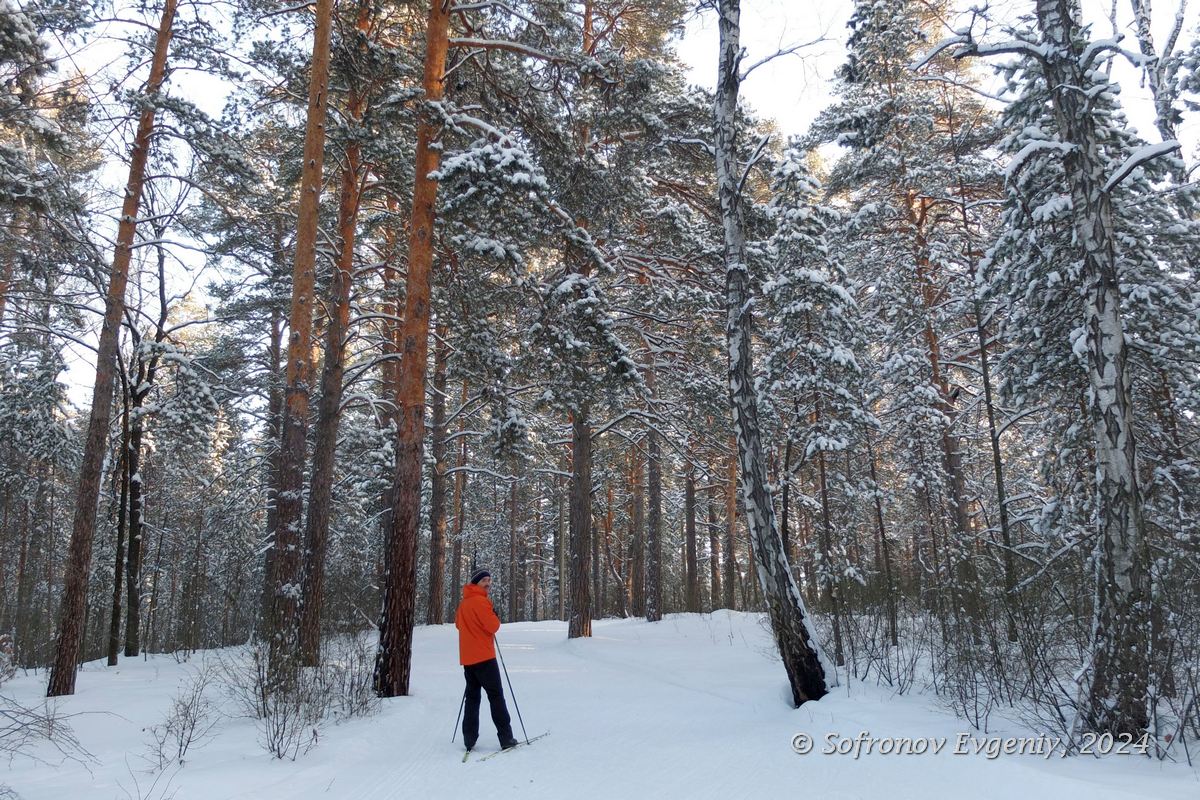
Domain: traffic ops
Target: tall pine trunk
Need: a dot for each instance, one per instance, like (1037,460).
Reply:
(691,571)
(437,493)
(637,546)
(70,630)
(559,556)
(579,622)
(329,406)
(513,551)
(654,587)
(714,553)
(961,570)
(285,621)
(394,661)
(536,579)
(460,485)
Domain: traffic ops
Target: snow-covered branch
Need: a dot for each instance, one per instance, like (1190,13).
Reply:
(759,152)
(1137,159)
(938,49)
(967,46)
(511,47)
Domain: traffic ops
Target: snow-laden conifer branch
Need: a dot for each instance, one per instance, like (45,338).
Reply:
(1138,158)
(538,188)
(507,46)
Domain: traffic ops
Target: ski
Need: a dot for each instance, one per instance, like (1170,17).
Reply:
(509,750)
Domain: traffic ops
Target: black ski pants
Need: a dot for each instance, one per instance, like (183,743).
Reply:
(485,675)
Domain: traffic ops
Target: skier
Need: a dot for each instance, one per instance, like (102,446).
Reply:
(477,624)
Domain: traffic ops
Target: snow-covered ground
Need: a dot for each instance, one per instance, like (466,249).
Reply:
(690,707)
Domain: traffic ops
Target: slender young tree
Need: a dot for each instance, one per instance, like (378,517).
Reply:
(691,570)
(70,630)
(637,538)
(437,500)
(654,526)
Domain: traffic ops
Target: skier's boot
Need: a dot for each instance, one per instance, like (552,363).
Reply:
(507,742)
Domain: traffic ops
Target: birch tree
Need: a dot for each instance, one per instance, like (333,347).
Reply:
(802,659)
(1074,157)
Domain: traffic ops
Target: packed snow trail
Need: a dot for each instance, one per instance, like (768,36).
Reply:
(693,706)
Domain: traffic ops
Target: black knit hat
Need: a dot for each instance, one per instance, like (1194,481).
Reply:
(479,575)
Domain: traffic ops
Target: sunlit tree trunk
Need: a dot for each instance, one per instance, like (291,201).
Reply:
(289,567)
(329,405)
(394,662)
(79,555)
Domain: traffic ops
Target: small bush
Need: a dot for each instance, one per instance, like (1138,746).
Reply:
(189,722)
(8,658)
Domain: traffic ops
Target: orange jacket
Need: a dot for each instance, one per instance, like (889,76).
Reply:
(477,624)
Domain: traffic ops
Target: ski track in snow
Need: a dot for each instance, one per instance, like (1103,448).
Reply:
(691,706)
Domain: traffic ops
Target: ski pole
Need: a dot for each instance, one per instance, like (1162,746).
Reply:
(462,703)
(516,705)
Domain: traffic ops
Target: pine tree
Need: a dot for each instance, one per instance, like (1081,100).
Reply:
(916,150)
(399,602)
(810,372)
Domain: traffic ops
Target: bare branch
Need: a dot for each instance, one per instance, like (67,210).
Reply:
(787,51)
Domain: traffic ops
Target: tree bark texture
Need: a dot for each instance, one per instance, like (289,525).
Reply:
(394,661)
